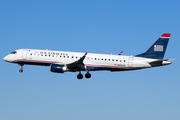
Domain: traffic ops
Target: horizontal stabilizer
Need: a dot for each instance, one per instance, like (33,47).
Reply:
(156,63)
(159,63)
(170,60)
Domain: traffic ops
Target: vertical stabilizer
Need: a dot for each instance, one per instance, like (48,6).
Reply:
(158,49)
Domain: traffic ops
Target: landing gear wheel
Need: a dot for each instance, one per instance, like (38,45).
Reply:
(79,76)
(87,75)
(21,70)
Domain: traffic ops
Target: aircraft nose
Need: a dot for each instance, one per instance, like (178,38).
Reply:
(5,58)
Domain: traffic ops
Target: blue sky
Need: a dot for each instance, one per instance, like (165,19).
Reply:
(96,26)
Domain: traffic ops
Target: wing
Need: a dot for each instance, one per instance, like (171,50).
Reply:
(77,65)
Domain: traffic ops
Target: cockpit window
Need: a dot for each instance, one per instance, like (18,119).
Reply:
(14,52)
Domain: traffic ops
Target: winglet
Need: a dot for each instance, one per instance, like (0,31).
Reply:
(82,59)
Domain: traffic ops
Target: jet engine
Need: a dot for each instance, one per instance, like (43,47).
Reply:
(58,68)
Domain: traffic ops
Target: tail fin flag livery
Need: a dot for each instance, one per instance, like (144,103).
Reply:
(158,49)
(63,61)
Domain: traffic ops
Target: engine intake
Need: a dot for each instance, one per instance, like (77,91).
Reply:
(58,68)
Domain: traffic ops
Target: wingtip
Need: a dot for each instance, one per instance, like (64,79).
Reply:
(85,53)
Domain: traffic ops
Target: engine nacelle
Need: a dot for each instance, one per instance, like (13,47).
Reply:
(58,68)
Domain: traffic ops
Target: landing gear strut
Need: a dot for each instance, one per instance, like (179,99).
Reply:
(21,70)
(79,76)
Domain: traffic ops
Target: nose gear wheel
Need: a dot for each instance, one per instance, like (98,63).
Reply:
(21,70)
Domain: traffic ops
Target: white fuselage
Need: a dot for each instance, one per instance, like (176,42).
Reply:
(92,61)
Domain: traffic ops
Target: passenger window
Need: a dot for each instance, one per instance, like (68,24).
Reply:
(124,60)
(112,59)
(109,59)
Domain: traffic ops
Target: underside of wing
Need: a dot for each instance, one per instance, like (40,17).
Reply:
(77,65)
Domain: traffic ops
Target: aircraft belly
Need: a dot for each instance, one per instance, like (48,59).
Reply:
(114,67)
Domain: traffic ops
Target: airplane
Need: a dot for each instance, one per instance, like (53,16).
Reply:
(63,61)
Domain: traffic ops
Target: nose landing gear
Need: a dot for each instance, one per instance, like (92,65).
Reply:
(21,70)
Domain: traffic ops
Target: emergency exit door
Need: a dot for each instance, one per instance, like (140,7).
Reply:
(131,61)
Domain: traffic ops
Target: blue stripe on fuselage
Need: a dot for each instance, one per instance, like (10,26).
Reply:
(33,63)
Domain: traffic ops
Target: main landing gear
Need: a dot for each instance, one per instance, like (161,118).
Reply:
(87,75)
(21,70)
(80,76)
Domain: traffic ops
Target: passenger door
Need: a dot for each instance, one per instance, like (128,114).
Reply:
(24,54)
